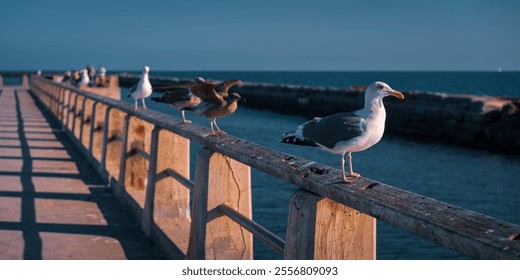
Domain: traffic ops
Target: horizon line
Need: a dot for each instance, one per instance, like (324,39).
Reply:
(498,70)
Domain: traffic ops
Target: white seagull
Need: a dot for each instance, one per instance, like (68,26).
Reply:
(142,89)
(84,80)
(345,133)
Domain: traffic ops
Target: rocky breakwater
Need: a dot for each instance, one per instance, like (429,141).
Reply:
(468,120)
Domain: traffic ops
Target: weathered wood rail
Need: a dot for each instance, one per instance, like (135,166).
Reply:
(145,156)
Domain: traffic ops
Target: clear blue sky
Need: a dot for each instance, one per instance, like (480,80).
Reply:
(261,35)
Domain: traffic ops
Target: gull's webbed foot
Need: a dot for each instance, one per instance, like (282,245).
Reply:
(351,178)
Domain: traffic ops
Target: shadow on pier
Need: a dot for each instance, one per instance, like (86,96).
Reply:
(53,205)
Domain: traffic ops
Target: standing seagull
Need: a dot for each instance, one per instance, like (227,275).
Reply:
(180,98)
(142,89)
(217,101)
(84,80)
(345,133)
(215,110)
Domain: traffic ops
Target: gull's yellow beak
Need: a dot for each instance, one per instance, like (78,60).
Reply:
(397,94)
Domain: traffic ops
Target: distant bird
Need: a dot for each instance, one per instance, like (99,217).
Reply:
(91,72)
(84,80)
(345,133)
(67,77)
(181,98)
(101,77)
(75,77)
(217,102)
(142,89)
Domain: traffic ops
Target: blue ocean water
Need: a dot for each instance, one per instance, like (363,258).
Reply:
(478,180)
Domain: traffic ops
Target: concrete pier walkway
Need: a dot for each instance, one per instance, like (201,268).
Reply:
(52,203)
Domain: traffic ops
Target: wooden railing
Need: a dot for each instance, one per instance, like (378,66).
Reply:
(145,156)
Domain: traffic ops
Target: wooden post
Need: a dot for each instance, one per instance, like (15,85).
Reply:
(147,217)
(171,204)
(49,100)
(220,180)
(104,145)
(98,145)
(93,127)
(61,102)
(72,112)
(80,119)
(1,81)
(136,166)
(79,110)
(55,101)
(66,108)
(120,188)
(86,123)
(319,228)
(112,153)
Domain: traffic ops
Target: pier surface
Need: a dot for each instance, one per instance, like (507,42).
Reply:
(53,205)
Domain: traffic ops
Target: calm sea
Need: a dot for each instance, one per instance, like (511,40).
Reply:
(477,180)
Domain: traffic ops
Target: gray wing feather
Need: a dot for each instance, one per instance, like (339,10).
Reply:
(132,89)
(330,130)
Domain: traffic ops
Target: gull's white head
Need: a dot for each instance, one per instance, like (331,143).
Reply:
(146,69)
(377,89)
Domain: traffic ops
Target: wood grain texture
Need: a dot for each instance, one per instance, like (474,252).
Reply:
(343,233)
(87,119)
(136,176)
(113,148)
(319,228)
(197,242)
(172,199)
(229,184)
(65,99)
(220,180)
(72,110)
(97,138)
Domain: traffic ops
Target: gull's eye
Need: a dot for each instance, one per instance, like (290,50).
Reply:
(380,86)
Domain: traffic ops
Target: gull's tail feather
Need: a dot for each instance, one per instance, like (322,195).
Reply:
(291,138)
(158,99)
